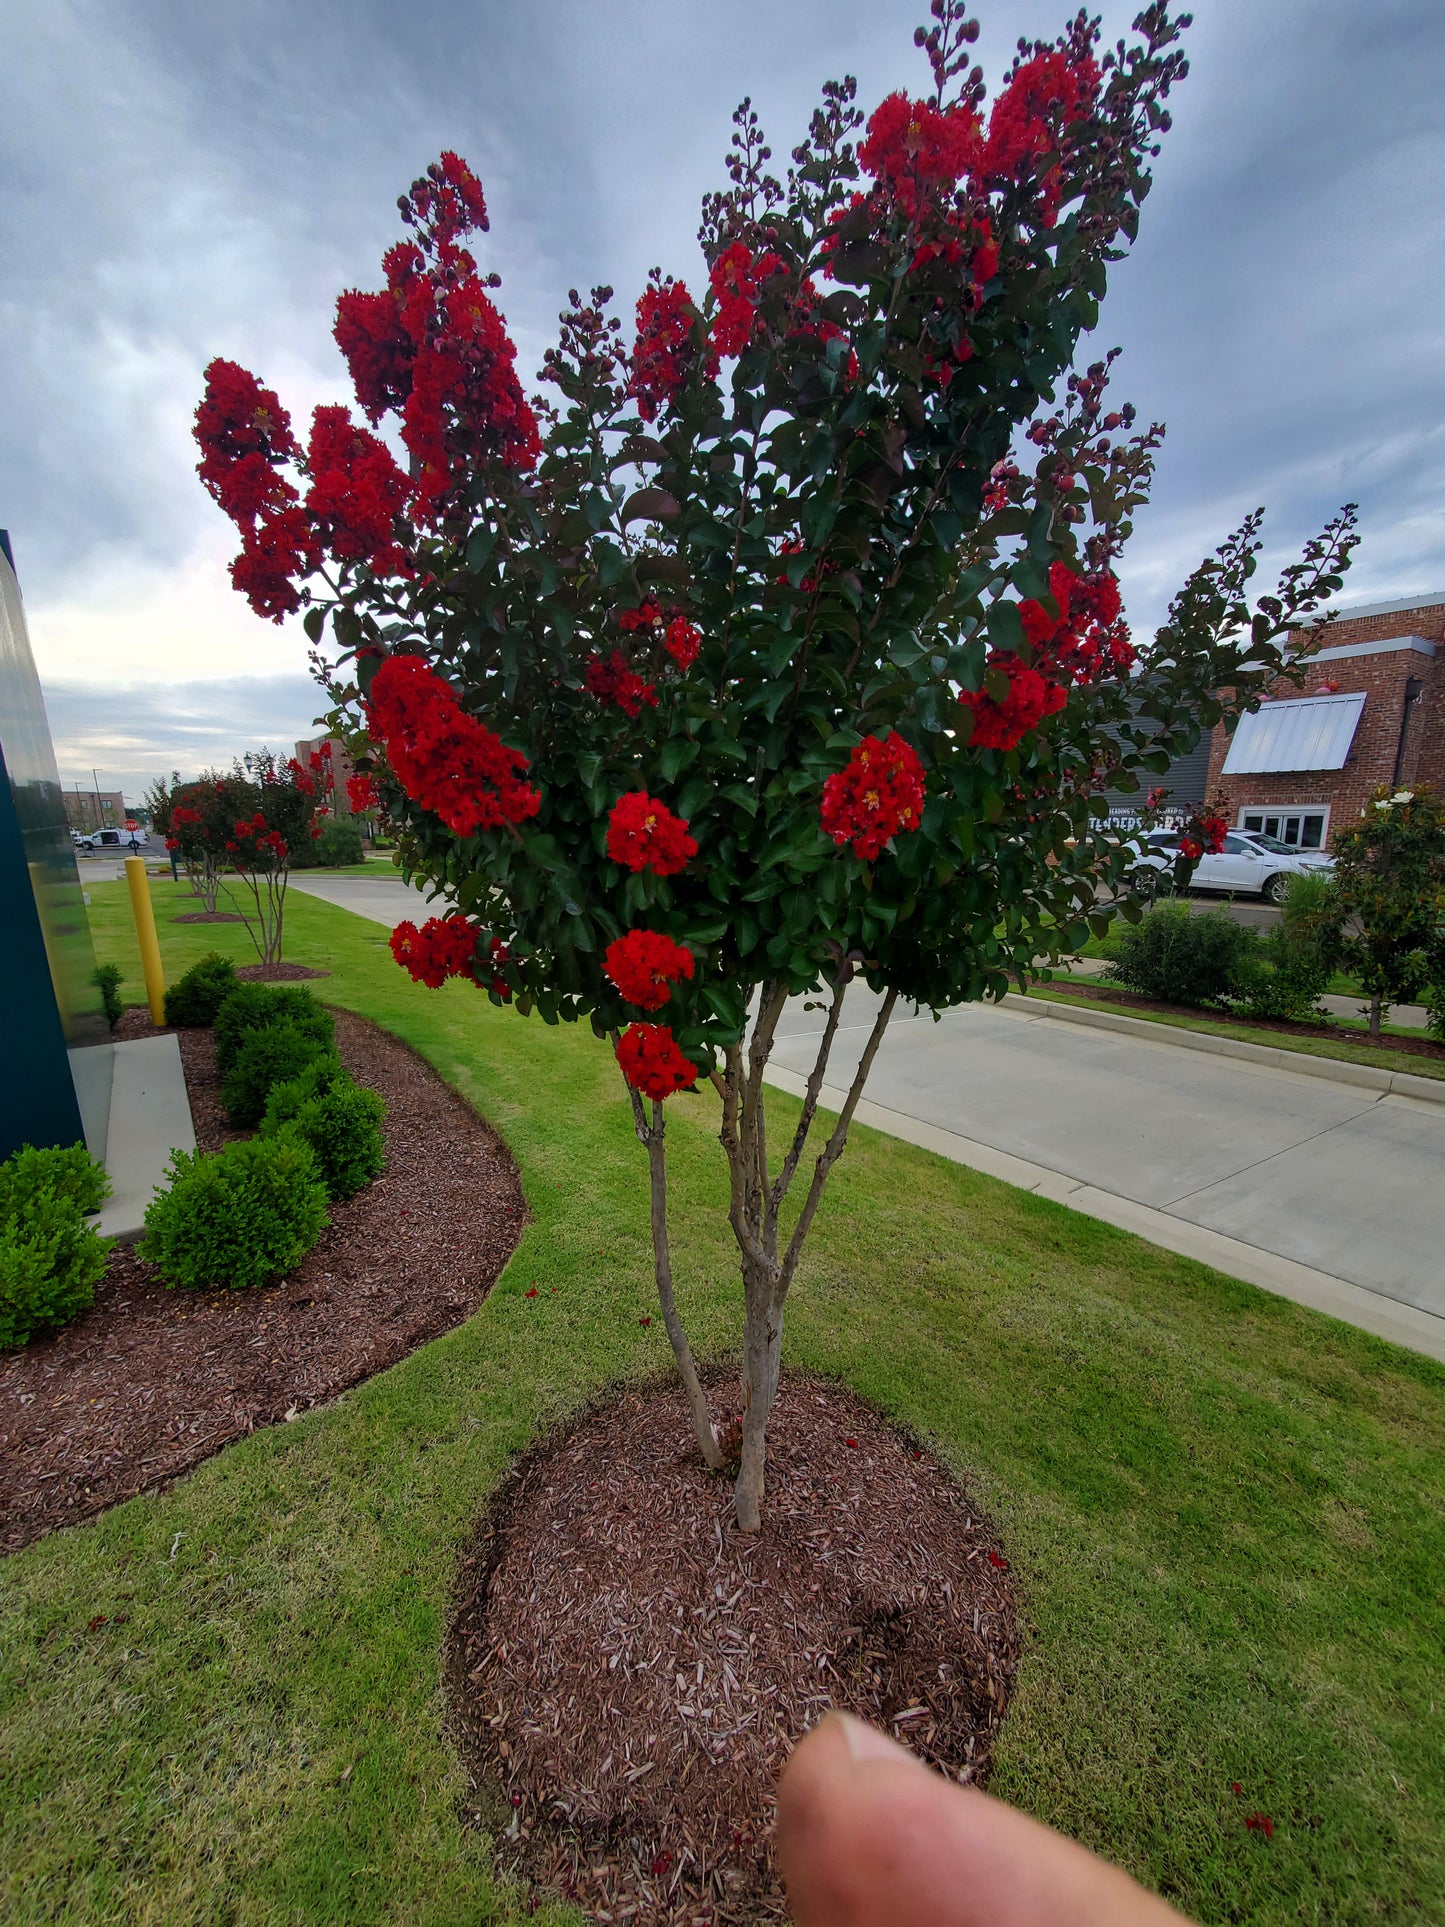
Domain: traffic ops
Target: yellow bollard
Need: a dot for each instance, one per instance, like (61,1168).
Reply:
(145,930)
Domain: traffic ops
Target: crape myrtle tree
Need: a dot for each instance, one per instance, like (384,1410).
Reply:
(196,819)
(249,823)
(1387,910)
(780,649)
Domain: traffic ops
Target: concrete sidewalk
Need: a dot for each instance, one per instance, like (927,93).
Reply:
(1339,1181)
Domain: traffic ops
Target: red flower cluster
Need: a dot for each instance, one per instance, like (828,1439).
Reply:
(807,321)
(434,348)
(257,847)
(609,679)
(737,281)
(1086,640)
(445,760)
(243,432)
(915,148)
(443,947)
(304,782)
(652,1063)
(877,794)
(1043,96)
(665,352)
(645,964)
(643,834)
(681,638)
(361,794)
(1002,725)
(357,492)
(1260,1823)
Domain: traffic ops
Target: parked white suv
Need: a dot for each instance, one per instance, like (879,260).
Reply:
(1250,864)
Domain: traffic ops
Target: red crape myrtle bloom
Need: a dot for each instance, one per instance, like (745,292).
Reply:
(444,759)
(878,793)
(652,1063)
(357,492)
(609,679)
(1087,639)
(643,834)
(243,432)
(443,947)
(664,353)
(1043,96)
(1190,849)
(361,794)
(737,280)
(645,964)
(1003,725)
(681,639)
(915,148)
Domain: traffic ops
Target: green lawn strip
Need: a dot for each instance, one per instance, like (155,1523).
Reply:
(1344,1052)
(1225,1515)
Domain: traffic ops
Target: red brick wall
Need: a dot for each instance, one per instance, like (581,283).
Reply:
(1371,760)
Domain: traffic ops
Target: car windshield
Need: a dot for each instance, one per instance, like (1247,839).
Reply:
(1272,843)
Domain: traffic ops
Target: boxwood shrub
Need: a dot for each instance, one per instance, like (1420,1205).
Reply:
(263,1059)
(342,1125)
(253,1007)
(50,1258)
(197,996)
(238,1217)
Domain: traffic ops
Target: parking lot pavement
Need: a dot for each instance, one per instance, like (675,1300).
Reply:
(1329,1176)
(384,899)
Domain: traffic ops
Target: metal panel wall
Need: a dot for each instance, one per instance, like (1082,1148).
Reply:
(56,1056)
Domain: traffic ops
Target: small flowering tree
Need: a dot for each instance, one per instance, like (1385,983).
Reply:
(782,650)
(198,818)
(1387,913)
(260,847)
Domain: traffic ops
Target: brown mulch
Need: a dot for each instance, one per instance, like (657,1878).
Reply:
(209,916)
(1337,1033)
(628,1672)
(150,1381)
(277,973)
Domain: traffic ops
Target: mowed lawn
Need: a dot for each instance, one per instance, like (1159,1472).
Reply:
(1225,1516)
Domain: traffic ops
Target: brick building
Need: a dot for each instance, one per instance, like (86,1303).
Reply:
(1371,711)
(341,767)
(87,810)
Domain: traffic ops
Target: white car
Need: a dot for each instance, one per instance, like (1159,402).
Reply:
(1249,865)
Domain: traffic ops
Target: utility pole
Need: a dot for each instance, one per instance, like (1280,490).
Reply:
(99,812)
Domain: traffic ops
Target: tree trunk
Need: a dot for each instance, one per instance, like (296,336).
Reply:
(762,1362)
(1377,1012)
(702,1424)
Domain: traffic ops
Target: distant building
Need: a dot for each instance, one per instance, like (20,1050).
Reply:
(87,810)
(1371,712)
(341,767)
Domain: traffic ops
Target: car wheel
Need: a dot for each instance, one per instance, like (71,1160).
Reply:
(1275,888)
(1146,882)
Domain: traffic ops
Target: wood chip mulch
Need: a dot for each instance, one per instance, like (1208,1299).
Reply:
(209,916)
(277,973)
(1337,1033)
(628,1672)
(150,1381)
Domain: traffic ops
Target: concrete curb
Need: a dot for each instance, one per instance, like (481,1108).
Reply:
(1369,1077)
(1371,1311)
(150,1116)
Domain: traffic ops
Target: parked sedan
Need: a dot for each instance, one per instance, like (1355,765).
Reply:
(1244,867)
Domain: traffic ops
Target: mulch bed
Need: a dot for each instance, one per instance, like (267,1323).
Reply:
(150,1381)
(209,916)
(1337,1033)
(277,973)
(628,1672)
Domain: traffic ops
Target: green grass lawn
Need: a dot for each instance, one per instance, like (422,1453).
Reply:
(1225,1516)
(1343,1050)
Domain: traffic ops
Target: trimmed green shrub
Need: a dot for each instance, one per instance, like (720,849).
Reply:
(50,1258)
(108,979)
(342,1125)
(338,843)
(1294,962)
(198,995)
(263,1059)
(237,1217)
(1435,1012)
(256,1006)
(1180,956)
(287,1099)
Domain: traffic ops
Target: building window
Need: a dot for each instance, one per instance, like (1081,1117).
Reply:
(1304,829)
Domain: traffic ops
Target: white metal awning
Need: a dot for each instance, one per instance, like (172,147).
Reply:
(1313,733)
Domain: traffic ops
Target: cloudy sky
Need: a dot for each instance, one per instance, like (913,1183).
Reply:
(187,181)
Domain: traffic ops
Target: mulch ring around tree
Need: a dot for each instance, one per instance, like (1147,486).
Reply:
(209,916)
(1336,1033)
(277,973)
(628,1672)
(150,1381)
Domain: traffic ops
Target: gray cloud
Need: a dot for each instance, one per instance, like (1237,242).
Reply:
(192,181)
